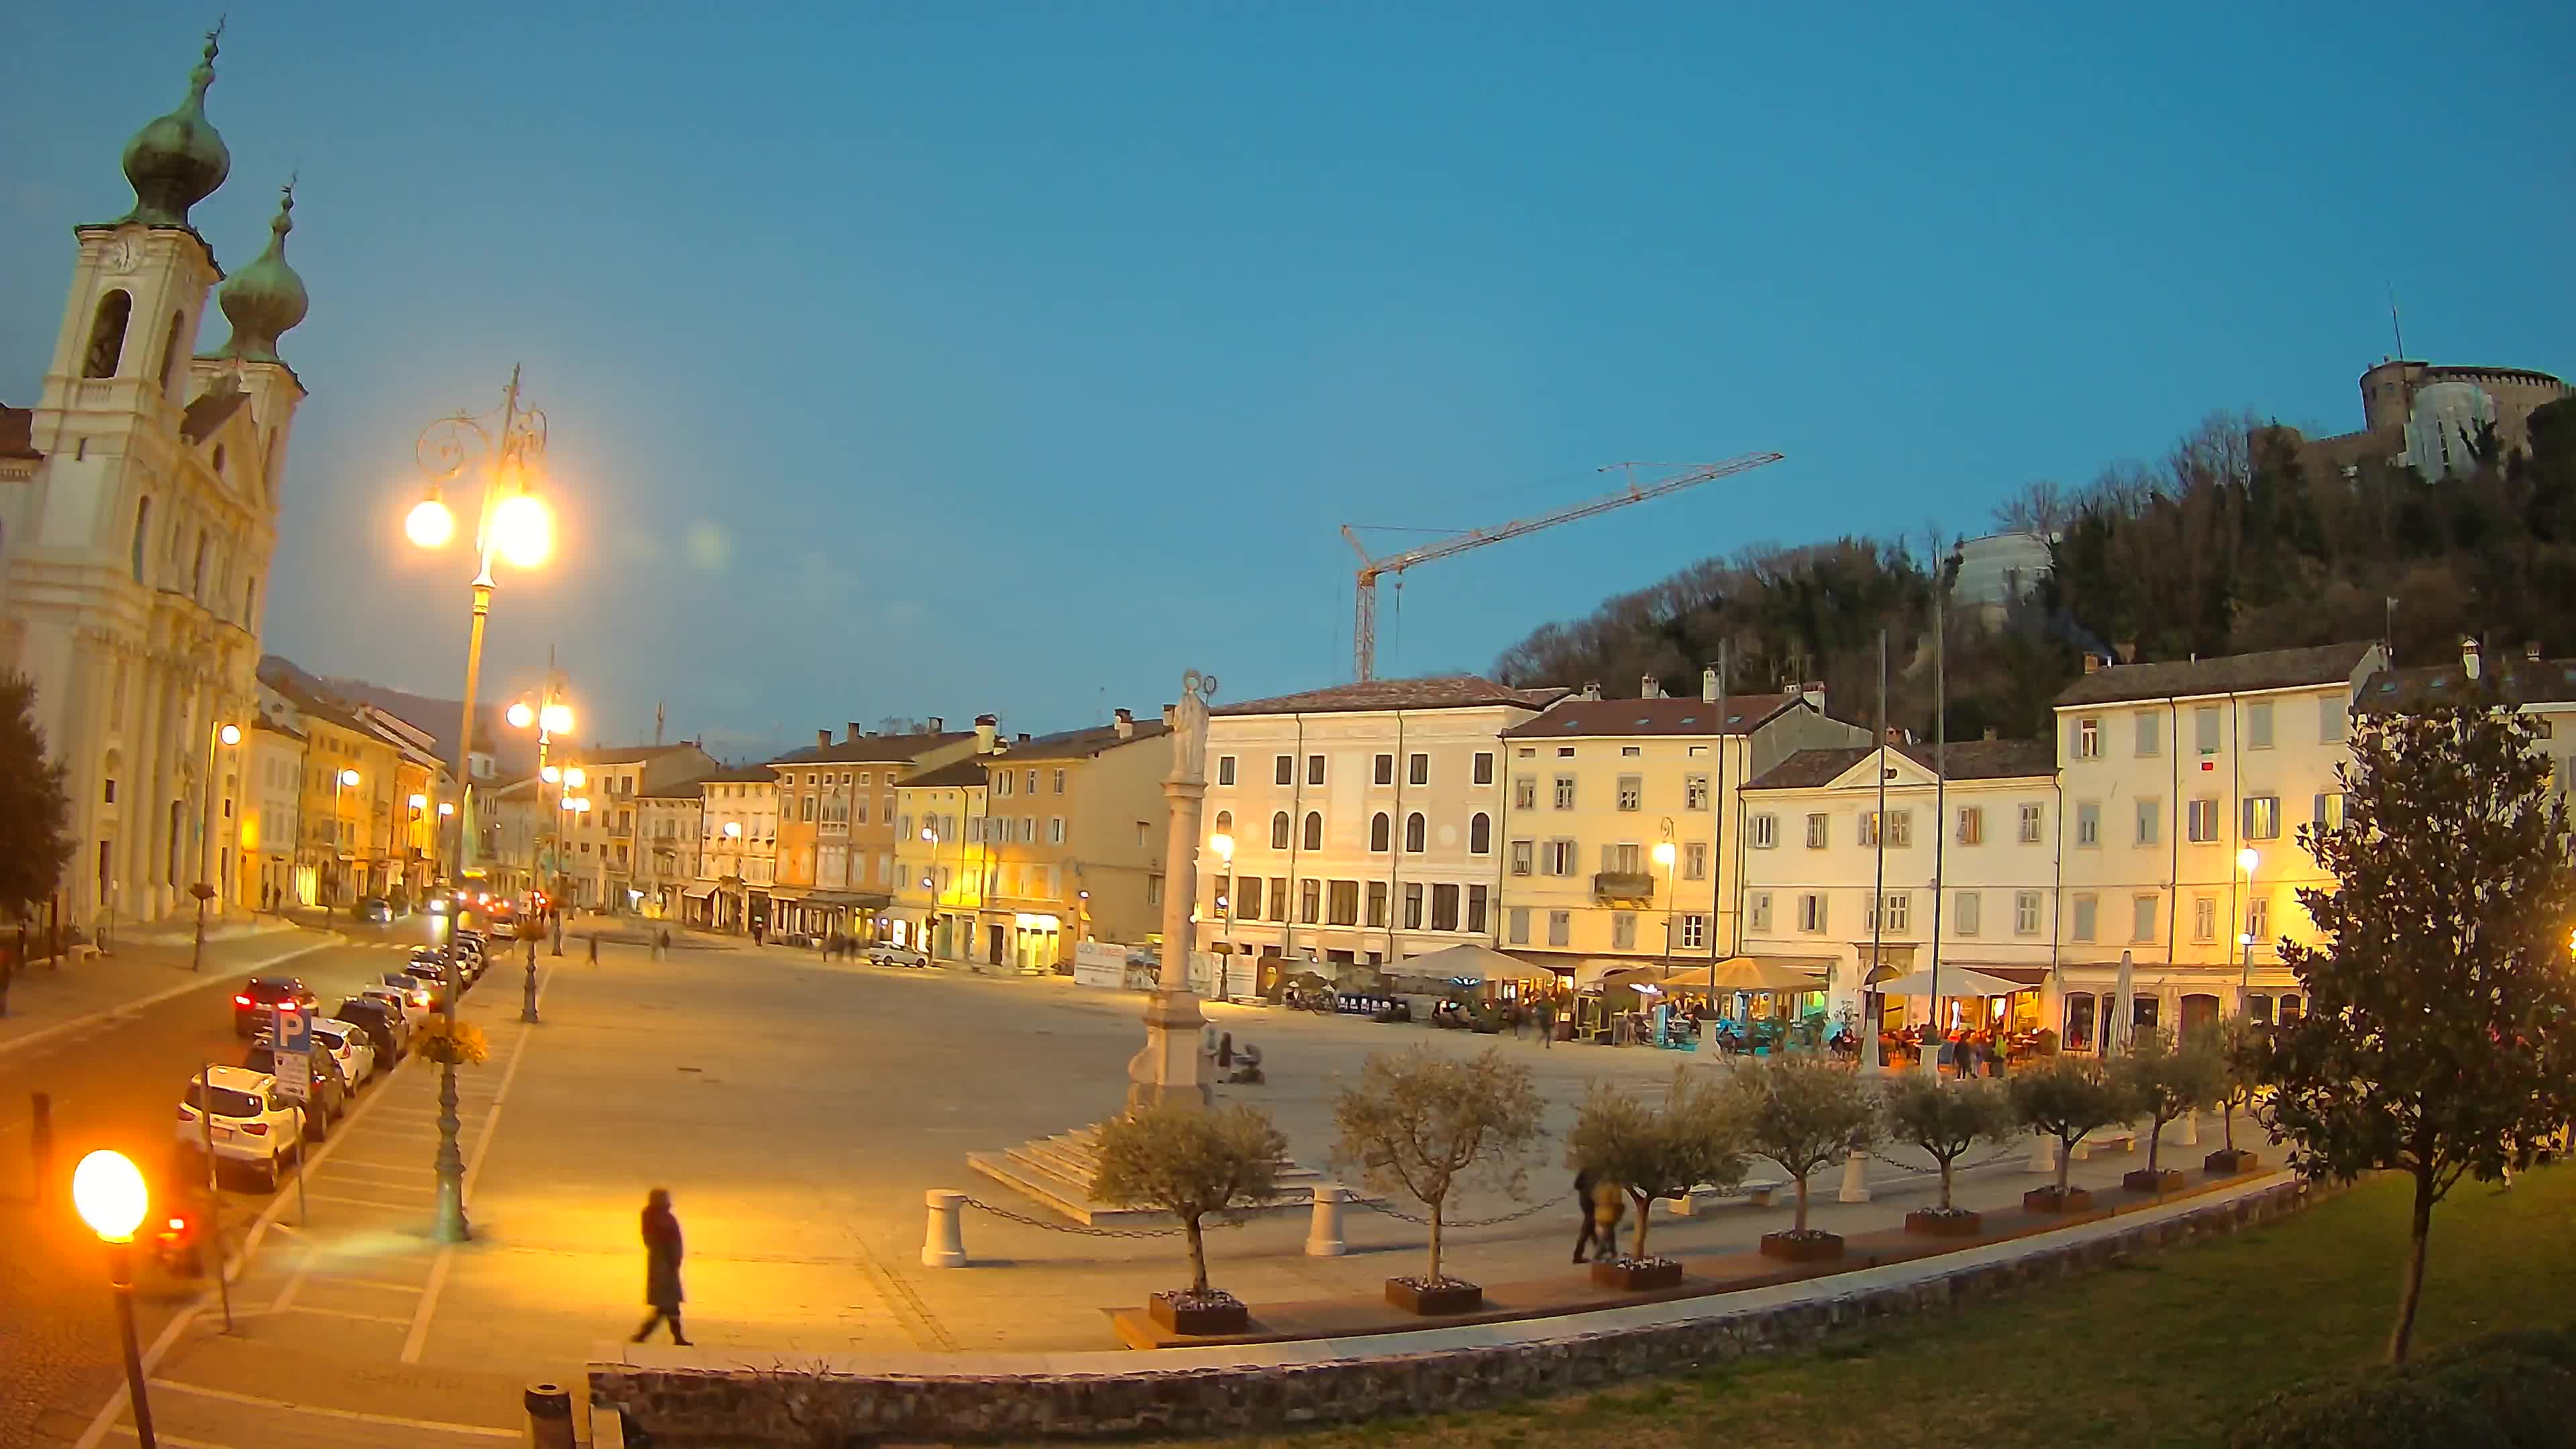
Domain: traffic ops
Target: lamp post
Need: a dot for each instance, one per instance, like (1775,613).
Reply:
(1223,844)
(226,736)
(551,716)
(344,780)
(1664,861)
(2246,860)
(110,1196)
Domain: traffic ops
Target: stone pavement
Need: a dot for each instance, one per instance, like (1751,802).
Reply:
(797,1110)
(45,1000)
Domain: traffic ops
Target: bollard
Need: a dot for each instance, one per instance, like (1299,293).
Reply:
(1324,1229)
(40,1138)
(2191,1128)
(2043,1153)
(1855,1178)
(549,1416)
(943,1245)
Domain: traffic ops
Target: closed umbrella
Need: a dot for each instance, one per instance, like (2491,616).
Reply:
(2115,1032)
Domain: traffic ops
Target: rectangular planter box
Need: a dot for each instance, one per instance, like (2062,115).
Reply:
(1230,1316)
(1637,1277)
(2224,1163)
(2162,1180)
(1432,1302)
(1932,1224)
(2045,1200)
(1820,1249)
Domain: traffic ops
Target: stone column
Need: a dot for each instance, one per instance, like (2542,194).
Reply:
(1170,1069)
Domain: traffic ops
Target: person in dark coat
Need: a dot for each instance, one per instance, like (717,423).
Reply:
(1592,1233)
(661,1266)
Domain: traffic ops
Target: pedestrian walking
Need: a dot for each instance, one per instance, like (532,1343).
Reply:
(1601,1206)
(664,944)
(1546,1022)
(661,1267)
(594,949)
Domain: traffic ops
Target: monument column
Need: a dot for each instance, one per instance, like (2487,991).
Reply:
(1170,1070)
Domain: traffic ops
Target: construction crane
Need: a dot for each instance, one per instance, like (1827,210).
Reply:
(1364,630)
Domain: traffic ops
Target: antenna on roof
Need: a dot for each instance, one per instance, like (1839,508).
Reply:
(2393,324)
(657,724)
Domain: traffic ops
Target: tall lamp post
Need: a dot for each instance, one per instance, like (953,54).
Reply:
(110,1196)
(2246,860)
(204,890)
(345,780)
(1223,845)
(513,523)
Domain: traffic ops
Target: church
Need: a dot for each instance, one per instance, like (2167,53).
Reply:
(138,512)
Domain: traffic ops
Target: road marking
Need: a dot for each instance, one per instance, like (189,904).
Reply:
(173,1440)
(361,1201)
(378,1284)
(343,1313)
(104,1014)
(418,1339)
(349,1415)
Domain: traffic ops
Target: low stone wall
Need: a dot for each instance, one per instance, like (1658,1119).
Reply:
(810,1404)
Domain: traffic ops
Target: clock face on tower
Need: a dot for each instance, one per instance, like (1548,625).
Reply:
(120,256)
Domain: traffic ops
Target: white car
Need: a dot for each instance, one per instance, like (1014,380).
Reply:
(889,954)
(244,1119)
(351,1047)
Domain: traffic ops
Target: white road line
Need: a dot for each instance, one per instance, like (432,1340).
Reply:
(418,1338)
(343,1313)
(377,1284)
(362,1202)
(350,1415)
(91,1019)
(173,1440)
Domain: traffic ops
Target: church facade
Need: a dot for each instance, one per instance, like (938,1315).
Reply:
(138,512)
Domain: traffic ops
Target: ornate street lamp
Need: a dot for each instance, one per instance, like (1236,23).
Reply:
(109,1195)
(227,736)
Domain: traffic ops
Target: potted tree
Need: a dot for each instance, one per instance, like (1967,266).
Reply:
(2164,1081)
(2067,1098)
(1192,1163)
(1945,1119)
(1800,1112)
(2244,1046)
(1650,1152)
(1421,1122)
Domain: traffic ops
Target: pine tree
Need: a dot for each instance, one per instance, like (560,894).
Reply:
(35,813)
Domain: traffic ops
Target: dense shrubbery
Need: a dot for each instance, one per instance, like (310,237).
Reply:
(2509,1390)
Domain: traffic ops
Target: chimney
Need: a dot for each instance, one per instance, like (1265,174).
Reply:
(822,738)
(1708,684)
(1813,692)
(1167,715)
(986,727)
(2469,657)
(1990,732)
(2531,651)
(1126,724)
(1649,687)
(937,725)
(1591,689)
(2092,661)
(1895,736)
(855,732)
(1024,737)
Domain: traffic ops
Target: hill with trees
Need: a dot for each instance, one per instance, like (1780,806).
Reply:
(2233,542)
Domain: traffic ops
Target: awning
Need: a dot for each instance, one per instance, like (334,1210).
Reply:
(1758,973)
(697,893)
(856,900)
(1470,962)
(1955,981)
(788,896)
(2026,975)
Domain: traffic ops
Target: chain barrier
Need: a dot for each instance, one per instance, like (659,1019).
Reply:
(1445,1224)
(1023,1219)
(1913,1171)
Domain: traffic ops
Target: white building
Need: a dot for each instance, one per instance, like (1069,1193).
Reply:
(668,828)
(273,761)
(1967,876)
(2175,778)
(136,529)
(1366,819)
(1598,788)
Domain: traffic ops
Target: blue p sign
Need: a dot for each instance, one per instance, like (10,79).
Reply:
(293,1030)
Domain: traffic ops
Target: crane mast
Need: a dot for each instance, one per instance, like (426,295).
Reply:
(1364,592)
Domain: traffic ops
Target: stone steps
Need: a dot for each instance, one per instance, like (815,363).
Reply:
(1057,1173)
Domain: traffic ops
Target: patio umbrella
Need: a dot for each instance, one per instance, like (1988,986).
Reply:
(1758,973)
(2116,1030)
(1956,981)
(1472,962)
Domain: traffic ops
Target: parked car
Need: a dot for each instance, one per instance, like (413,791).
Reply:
(253,1002)
(238,1115)
(326,1097)
(384,1024)
(399,1001)
(418,993)
(376,909)
(355,1050)
(885,953)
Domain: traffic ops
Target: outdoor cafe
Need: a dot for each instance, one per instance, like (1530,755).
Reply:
(1748,1004)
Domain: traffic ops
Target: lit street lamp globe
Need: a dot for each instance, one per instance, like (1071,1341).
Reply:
(550,774)
(430,525)
(521,716)
(523,531)
(2247,859)
(575,777)
(230,735)
(109,1194)
(557,718)
(349,777)
(1663,852)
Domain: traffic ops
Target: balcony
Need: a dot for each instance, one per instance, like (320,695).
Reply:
(1623,885)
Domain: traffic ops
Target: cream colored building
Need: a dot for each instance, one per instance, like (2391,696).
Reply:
(737,848)
(604,861)
(273,764)
(1967,876)
(1367,819)
(1598,789)
(941,858)
(836,823)
(136,527)
(1077,823)
(2169,773)
(667,845)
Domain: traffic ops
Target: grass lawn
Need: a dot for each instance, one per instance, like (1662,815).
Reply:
(2165,1351)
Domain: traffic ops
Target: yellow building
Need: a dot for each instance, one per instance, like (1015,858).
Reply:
(940,858)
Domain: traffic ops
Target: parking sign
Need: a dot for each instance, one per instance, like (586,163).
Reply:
(292,1030)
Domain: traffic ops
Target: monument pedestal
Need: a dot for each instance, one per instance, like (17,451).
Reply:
(1172,1067)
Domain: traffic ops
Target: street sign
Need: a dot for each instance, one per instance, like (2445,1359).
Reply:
(292,1032)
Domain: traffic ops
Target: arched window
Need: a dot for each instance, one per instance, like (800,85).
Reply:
(170,359)
(107,335)
(1413,832)
(1225,822)
(1480,834)
(1314,830)
(1380,831)
(1279,831)
(142,531)
(219,460)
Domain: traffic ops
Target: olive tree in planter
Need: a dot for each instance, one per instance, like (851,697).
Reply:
(2166,1080)
(1800,1112)
(1653,1151)
(2244,1046)
(1946,1119)
(2069,1099)
(1192,1163)
(1421,1122)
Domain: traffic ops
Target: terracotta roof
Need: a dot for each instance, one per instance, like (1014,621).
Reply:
(2225,674)
(18,433)
(1079,744)
(264,723)
(628,754)
(208,412)
(1968,760)
(1626,717)
(968,772)
(872,749)
(2517,681)
(1446,691)
(740,775)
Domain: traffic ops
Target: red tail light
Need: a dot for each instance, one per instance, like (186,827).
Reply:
(255,1129)
(178,1225)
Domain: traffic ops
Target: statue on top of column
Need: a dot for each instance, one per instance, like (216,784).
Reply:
(1189,728)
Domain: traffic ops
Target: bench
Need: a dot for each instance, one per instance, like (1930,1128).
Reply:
(1757,1191)
(2108,1139)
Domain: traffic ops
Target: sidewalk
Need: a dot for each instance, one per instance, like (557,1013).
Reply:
(47,1002)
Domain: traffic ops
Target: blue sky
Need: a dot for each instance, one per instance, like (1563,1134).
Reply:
(931,359)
